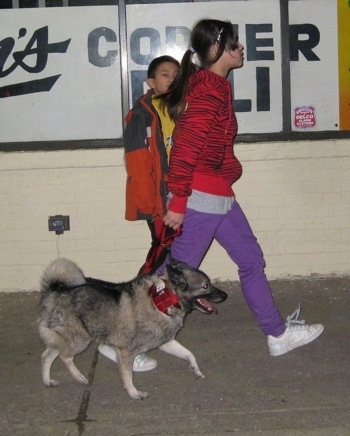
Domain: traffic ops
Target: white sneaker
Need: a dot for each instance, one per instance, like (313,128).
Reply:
(144,363)
(141,362)
(297,333)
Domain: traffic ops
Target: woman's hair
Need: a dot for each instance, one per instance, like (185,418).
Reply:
(204,35)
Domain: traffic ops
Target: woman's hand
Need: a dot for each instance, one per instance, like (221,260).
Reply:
(173,219)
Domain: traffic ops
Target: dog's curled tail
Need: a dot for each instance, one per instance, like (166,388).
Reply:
(61,274)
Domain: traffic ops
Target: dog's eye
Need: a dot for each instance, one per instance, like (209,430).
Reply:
(206,286)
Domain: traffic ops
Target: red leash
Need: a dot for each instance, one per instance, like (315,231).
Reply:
(163,237)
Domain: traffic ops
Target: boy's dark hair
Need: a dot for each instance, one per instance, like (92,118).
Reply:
(154,65)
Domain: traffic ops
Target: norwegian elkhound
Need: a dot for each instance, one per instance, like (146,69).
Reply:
(132,317)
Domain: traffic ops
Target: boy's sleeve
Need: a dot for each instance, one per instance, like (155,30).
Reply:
(135,135)
(140,186)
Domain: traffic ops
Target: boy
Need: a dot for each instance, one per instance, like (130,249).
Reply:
(147,142)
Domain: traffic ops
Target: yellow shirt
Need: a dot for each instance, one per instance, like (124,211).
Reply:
(167,125)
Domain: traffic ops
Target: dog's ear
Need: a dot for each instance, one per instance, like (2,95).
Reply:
(175,275)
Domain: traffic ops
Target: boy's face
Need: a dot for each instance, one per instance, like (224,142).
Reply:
(164,76)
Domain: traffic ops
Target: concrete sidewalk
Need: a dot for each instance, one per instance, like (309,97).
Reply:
(247,392)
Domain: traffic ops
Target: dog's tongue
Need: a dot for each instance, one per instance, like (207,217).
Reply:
(206,305)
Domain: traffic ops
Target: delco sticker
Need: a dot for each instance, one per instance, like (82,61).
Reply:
(304,117)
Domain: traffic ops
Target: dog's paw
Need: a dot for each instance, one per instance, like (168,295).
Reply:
(51,384)
(197,372)
(138,395)
(82,379)
(142,395)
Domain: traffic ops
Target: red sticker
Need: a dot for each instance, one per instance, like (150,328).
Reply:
(304,117)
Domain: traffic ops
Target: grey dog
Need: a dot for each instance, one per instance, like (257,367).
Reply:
(132,317)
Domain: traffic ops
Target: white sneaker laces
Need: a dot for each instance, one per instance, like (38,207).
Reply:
(140,358)
(293,321)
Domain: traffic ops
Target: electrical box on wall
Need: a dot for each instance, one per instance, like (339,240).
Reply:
(59,223)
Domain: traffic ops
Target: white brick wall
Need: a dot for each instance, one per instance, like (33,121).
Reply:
(296,196)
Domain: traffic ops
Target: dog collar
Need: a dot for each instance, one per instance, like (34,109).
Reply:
(164,298)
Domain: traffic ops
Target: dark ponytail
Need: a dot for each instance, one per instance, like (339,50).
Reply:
(175,99)
(204,35)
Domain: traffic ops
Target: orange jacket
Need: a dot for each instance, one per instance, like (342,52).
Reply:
(145,161)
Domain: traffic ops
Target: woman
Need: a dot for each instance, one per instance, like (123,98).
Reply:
(203,168)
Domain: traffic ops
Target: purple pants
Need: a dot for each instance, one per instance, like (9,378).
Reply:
(232,231)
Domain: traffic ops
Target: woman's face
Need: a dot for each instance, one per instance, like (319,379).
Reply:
(235,58)
(229,60)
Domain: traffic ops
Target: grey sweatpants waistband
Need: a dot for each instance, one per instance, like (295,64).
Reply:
(209,203)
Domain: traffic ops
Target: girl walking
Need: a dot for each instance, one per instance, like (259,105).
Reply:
(202,170)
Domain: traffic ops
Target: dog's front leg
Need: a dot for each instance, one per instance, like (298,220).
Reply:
(125,363)
(176,349)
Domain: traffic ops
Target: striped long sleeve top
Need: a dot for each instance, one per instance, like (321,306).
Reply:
(202,156)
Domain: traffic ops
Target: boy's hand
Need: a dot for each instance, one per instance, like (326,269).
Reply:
(173,219)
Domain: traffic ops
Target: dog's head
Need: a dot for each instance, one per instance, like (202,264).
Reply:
(194,288)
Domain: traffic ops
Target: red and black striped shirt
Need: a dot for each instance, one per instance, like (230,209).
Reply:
(202,156)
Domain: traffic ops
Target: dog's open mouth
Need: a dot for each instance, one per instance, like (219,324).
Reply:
(204,306)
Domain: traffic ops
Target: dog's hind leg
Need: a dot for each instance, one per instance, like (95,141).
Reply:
(47,358)
(174,348)
(76,374)
(125,363)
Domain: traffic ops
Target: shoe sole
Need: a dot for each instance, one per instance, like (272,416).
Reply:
(149,367)
(298,344)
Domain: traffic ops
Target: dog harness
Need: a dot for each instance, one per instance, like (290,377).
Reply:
(164,298)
